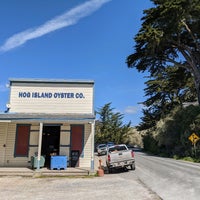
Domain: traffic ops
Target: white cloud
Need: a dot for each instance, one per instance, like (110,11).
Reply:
(132,109)
(68,18)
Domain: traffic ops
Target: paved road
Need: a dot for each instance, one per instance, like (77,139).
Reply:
(169,178)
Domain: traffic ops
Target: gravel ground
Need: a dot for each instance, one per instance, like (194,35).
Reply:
(110,186)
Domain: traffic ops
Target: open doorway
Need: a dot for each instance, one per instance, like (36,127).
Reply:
(50,142)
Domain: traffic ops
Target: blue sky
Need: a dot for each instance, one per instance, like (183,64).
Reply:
(74,39)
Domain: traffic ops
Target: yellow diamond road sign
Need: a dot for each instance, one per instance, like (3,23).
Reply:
(194,138)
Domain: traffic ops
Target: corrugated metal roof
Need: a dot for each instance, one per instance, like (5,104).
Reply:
(36,80)
(45,117)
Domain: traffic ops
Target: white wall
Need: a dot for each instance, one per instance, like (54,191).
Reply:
(3,131)
(51,99)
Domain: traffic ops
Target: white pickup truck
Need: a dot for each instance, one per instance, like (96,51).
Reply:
(119,156)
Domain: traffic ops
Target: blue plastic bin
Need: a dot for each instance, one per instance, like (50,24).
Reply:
(58,162)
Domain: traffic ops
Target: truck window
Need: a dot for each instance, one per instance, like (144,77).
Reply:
(117,148)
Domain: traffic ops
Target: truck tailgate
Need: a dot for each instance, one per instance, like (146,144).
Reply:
(120,156)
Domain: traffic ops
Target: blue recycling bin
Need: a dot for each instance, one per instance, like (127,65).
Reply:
(58,162)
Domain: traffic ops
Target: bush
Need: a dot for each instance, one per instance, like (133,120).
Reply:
(170,136)
(150,144)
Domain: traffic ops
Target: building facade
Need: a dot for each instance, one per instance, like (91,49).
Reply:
(48,117)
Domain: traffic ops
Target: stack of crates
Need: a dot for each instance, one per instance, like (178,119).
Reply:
(58,162)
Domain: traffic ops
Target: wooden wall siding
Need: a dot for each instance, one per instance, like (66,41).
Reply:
(33,142)
(86,160)
(65,151)
(45,105)
(35,127)
(3,130)
(34,135)
(10,160)
(65,140)
(10,144)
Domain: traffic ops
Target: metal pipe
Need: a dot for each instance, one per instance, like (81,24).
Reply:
(39,146)
(92,145)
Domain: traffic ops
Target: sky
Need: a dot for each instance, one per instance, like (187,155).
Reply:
(74,39)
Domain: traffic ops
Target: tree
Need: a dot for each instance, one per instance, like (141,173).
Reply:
(168,88)
(110,126)
(172,133)
(170,35)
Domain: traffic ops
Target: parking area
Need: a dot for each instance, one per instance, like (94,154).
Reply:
(110,186)
(120,185)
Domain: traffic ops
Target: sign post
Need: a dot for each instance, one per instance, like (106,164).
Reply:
(194,138)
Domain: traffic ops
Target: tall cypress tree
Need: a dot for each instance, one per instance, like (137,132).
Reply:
(110,126)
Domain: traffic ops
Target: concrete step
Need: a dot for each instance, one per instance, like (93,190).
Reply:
(44,172)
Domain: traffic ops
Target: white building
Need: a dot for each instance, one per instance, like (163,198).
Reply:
(48,117)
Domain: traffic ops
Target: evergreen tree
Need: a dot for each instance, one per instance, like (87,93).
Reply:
(170,35)
(110,126)
(168,88)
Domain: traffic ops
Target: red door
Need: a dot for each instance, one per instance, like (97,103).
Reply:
(22,140)
(76,143)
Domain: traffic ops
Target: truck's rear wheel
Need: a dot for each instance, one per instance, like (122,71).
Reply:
(133,166)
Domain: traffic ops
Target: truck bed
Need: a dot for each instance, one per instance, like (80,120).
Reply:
(119,157)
